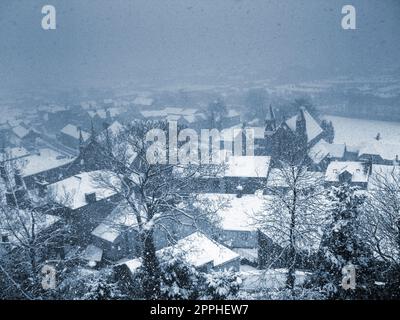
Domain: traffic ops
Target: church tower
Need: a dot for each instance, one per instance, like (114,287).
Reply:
(301,130)
(270,122)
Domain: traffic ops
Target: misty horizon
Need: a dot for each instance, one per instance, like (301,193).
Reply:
(103,43)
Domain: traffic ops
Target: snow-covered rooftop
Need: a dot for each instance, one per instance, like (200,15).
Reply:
(248,166)
(71,192)
(324,149)
(385,150)
(197,249)
(356,169)
(20,131)
(119,220)
(235,213)
(45,159)
(92,253)
(73,131)
(13,153)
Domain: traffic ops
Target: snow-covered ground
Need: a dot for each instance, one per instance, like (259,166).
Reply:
(355,132)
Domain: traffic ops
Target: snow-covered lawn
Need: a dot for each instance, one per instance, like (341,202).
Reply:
(355,132)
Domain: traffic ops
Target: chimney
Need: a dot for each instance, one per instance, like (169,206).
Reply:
(42,188)
(90,197)
(19,182)
(3,172)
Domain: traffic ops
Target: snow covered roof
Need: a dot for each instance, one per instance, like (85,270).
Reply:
(45,159)
(119,220)
(356,169)
(13,153)
(71,192)
(313,129)
(384,150)
(324,149)
(197,250)
(248,166)
(235,213)
(20,131)
(92,253)
(73,131)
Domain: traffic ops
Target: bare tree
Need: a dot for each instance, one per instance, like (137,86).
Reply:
(30,236)
(382,218)
(293,215)
(158,194)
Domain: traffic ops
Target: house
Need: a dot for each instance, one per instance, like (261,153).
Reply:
(72,136)
(238,174)
(245,174)
(350,172)
(239,228)
(10,154)
(118,234)
(82,201)
(20,135)
(323,152)
(380,153)
(40,167)
(197,250)
(43,166)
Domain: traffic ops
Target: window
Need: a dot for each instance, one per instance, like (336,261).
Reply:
(5,239)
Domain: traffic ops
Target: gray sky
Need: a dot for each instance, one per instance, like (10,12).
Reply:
(104,42)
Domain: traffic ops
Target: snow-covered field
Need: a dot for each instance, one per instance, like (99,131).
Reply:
(356,132)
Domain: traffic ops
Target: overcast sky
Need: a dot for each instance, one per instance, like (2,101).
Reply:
(108,41)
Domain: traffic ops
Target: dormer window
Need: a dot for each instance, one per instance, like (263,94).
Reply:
(90,197)
(5,238)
